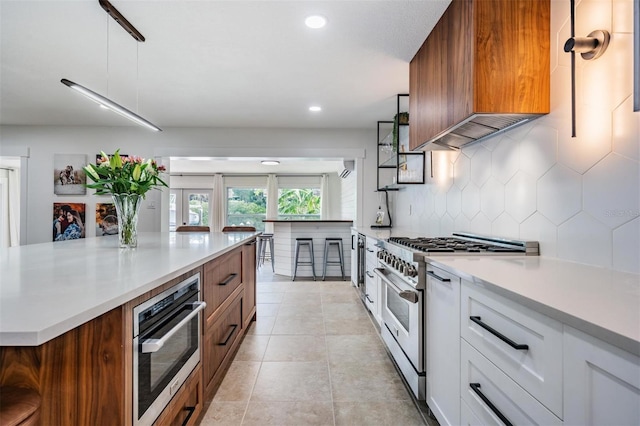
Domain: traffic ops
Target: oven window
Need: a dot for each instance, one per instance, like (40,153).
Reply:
(398,307)
(157,369)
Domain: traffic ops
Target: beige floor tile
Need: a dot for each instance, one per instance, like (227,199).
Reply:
(270,287)
(296,348)
(292,381)
(270,297)
(311,324)
(302,298)
(305,284)
(252,348)
(341,326)
(370,381)
(349,311)
(267,309)
(341,296)
(238,382)
(262,326)
(391,413)
(224,414)
(333,286)
(302,309)
(356,348)
(289,414)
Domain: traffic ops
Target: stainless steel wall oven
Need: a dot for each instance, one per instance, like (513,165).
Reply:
(166,347)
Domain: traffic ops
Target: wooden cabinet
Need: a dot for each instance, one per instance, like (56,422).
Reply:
(482,57)
(185,408)
(249,282)
(443,345)
(222,276)
(601,382)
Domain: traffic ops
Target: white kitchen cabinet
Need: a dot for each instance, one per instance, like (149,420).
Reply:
(372,281)
(494,398)
(500,328)
(443,345)
(601,382)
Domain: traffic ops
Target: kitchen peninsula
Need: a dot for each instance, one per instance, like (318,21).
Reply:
(285,233)
(66,317)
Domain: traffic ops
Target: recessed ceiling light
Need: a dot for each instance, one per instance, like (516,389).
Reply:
(315,21)
(270,162)
(315,108)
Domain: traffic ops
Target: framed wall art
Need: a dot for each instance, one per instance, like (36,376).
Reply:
(106,219)
(68,174)
(68,221)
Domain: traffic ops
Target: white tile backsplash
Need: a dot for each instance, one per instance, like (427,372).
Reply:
(579,197)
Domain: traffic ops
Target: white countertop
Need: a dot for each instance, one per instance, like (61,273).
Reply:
(48,289)
(599,301)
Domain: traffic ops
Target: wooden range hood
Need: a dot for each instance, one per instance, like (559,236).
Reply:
(483,69)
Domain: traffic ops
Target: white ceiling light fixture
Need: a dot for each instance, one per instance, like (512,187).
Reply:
(315,108)
(270,162)
(315,21)
(101,100)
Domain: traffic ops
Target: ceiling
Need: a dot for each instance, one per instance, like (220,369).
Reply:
(210,63)
(191,166)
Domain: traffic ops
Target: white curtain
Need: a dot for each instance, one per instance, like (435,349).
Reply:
(324,197)
(9,208)
(272,201)
(217,204)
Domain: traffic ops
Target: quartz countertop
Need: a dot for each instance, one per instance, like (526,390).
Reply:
(305,221)
(50,288)
(599,301)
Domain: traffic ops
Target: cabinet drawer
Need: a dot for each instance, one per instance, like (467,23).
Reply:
(221,277)
(185,408)
(371,246)
(371,293)
(537,369)
(220,338)
(516,405)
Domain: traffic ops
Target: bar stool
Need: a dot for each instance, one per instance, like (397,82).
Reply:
(328,242)
(20,406)
(302,242)
(263,241)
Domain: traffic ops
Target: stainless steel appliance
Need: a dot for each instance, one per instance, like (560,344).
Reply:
(402,270)
(166,347)
(362,266)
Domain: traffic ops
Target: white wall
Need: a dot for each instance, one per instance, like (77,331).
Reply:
(45,141)
(578,196)
(348,187)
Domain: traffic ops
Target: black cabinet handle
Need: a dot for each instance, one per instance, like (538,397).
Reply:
(191,410)
(369,274)
(367,296)
(231,331)
(499,335)
(369,250)
(352,246)
(438,277)
(476,388)
(228,279)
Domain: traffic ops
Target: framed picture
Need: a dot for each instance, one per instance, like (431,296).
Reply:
(106,219)
(99,156)
(68,221)
(68,176)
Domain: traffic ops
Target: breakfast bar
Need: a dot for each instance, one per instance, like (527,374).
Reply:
(285,233)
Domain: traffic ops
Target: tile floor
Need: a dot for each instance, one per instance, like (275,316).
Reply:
(313,357)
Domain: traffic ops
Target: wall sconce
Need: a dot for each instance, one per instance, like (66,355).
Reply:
(590,47)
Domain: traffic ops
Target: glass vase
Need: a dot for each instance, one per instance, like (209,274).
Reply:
(127,206)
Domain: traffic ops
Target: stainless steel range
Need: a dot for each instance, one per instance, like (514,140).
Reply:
(402,270)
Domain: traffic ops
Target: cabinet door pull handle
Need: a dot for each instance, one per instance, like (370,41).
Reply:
(370,275)
(228,279)
(369,250)
(499,335)
(367,296)
(190,411)
(476,388)
(438,277)
(232,330)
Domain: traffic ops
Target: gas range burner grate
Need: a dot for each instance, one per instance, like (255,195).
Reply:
(467,244)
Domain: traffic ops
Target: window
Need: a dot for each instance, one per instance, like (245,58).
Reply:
(299,203)
(247,206)
(189,207)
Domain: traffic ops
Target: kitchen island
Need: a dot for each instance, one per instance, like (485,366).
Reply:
(285,233)
(66,318)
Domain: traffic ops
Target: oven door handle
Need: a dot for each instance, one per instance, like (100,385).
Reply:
(154,345)
(410,296)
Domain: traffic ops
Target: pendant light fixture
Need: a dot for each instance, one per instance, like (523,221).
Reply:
(590,47)
(102,100)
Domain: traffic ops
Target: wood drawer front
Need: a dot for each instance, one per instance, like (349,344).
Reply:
(539,369)
(513,402)
(185,408)
(220,338)
(219,280)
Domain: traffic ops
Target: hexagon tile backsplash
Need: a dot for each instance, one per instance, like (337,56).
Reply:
(579,197)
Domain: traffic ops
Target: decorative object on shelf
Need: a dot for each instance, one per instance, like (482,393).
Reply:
(590,47)
(411,167)
(399,118)
(127,180)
